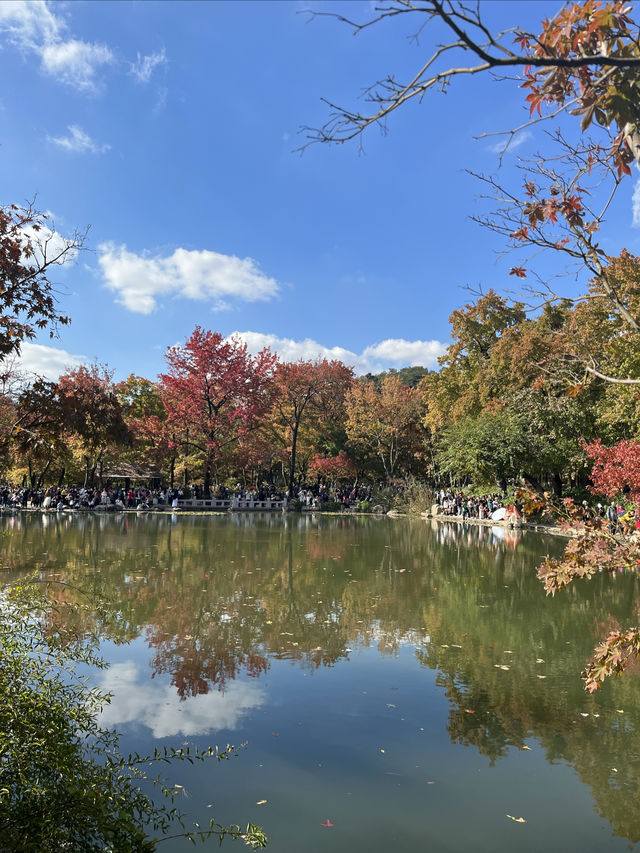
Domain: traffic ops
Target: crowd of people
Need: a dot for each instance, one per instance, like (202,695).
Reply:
(455,503)
(59,498)
(113,497)
(312,496)
(619,518)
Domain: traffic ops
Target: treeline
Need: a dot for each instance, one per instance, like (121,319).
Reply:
(520,397)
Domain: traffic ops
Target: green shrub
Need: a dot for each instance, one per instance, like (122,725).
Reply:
(64,785)
(331,506)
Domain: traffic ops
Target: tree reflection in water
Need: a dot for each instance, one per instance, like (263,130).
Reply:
(216,597)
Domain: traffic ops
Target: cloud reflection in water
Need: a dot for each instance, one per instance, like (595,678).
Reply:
(159,707)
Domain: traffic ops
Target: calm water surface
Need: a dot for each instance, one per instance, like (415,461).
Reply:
(411,684)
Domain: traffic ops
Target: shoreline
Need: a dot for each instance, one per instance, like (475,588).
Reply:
(551,530)
(506,525)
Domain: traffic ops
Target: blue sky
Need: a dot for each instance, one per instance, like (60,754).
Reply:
(169,128)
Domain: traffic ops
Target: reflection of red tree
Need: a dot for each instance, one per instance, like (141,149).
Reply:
(195,669)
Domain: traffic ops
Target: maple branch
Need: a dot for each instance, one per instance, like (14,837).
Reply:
(471,35)
(611,379)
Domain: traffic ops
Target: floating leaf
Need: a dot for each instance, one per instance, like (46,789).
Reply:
(501,666)
(261,802)
(469,711)
(539,660)
(583,715)
(542,676)
(327,822)
(517,819)
(527,747)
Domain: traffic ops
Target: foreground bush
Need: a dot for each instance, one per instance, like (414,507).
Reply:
(64,785)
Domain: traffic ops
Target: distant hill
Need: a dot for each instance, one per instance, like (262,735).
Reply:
(410,376)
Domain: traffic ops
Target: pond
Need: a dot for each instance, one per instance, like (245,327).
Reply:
(407,681)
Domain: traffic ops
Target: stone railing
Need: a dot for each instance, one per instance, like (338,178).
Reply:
(233,504)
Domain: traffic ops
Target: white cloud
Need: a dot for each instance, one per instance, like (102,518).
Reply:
(159,707)
(393,352)
(511,144)
(201,275)
(78,140)
(49,362)
(144,66)
(635,205)
(29,24)
(75,62)
(34,28)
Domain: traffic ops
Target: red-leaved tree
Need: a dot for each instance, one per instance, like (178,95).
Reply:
(214,393)
(615,469)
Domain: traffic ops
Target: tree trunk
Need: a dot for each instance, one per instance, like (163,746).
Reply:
(44,473)
(61,477)
(557,485)
(292,470)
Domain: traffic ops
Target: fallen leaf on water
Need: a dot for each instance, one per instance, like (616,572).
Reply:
(527,747)
(507,652)
(614,769)
(618,711)
(390,705)
(327,822)
(261,802)
(276,734)
(469,711)
(542,676)
(501,666)
(455,646)
(539,660)
(431,783)
(517,819)
(382,750)
(584,715)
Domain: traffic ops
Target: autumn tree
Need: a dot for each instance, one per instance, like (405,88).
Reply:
(29,250)
(382,424)
(307,392)
(214,393)
(92,415)
(39,433)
